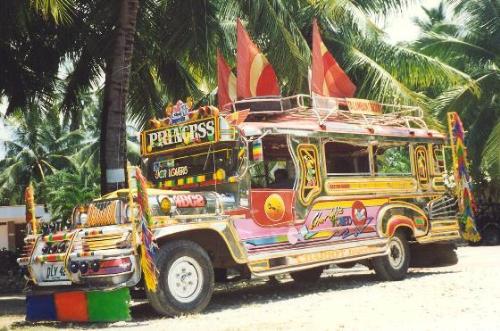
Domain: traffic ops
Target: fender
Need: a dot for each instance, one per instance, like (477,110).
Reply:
(224,228)
(401,214)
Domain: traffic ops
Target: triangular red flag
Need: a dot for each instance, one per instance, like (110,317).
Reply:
(255,75)
(226,80)
(328,78)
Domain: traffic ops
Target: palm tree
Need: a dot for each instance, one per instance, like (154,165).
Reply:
(174,54)
(32,46)
(113,154)
(471,43)
(39,146)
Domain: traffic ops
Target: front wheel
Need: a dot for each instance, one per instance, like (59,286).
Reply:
(394,266)
(186,279)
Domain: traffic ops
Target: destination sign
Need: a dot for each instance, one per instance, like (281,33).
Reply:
(164,168)
(178,136)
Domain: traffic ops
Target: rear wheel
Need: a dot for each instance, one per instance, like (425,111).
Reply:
(308,275)
(394,266)
(186,279)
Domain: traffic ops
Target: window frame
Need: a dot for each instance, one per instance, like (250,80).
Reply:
(359,142)
(390,145)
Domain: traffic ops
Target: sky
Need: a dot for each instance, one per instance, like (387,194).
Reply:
(399,27)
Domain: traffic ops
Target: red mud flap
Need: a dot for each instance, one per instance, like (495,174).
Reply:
(79,306)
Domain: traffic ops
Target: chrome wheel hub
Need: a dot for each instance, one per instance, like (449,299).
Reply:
(396,252)
(185,279)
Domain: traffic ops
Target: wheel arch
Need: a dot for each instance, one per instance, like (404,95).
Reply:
(402,216)
(216,244)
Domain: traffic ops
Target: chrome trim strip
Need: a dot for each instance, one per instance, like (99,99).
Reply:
(277,271)
(317,249)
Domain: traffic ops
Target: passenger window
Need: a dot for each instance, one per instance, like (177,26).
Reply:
(346,159)
(392,160)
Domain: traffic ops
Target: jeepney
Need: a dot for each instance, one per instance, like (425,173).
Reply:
(265,187)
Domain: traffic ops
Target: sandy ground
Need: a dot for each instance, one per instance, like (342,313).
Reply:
(462,297)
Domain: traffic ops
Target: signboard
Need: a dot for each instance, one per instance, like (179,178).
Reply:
(198,166)
(364,106)
(170,138)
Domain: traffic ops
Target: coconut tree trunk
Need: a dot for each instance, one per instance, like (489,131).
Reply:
(113,152)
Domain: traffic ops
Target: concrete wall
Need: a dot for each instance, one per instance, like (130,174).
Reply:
(10,216)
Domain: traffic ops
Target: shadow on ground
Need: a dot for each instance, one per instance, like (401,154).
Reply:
(231,296)
(226,296)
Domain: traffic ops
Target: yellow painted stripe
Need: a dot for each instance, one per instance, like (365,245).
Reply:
(348,203)
(323,234)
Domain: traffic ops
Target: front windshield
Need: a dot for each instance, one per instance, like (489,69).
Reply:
(275,168)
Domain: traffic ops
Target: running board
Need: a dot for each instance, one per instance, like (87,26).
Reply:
(268,264)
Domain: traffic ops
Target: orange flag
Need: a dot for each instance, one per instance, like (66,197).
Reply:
(256,76)
(328,78)
(226,80)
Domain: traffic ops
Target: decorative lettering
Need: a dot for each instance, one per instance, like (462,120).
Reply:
(189,201)
(181,135)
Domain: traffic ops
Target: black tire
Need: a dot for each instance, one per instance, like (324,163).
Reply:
(394,266)
(186,279)
(490,236)
(308,275)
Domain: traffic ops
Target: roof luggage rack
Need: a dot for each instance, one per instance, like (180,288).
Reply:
(350,110)
(267,105)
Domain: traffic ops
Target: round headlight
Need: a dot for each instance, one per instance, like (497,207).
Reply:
(129,212)
(166,205)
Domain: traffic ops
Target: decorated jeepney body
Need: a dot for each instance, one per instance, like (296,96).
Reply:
(265,187)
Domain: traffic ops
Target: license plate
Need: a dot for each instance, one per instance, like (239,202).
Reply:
(54,272)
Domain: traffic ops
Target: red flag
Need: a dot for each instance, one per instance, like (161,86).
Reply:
(226,91)
(328,78)
(256,76)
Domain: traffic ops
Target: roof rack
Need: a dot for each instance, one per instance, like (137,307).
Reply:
(349,110)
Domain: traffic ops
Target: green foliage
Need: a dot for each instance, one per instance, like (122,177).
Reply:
(66,189)
(393,160)
(40,145)
(469,40)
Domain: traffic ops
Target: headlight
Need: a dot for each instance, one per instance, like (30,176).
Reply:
(166,205)
(128,212)
(82,218)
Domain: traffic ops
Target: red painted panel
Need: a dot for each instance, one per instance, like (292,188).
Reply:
(272,207)
(71,306)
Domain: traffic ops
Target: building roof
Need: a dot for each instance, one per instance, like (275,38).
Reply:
(18,213)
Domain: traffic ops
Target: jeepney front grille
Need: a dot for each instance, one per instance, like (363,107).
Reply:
(104,241)
(444,207)
(102,213)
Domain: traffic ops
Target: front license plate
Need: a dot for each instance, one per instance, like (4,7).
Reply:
(54,272)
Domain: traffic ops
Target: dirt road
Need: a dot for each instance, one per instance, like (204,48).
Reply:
(462,297)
